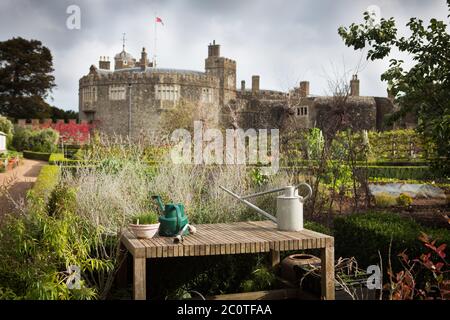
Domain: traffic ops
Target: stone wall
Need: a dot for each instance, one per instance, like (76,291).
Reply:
(146,107)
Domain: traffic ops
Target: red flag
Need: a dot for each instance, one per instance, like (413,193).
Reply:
(158,19)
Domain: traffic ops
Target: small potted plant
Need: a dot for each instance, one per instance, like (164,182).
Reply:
(145,225)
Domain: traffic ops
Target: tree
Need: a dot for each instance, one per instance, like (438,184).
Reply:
(25,78)
(424,89)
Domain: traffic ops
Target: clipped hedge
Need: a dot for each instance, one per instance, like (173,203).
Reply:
(363,235)
(55,158)
(60,160)
(46,181)
(402,173)
(43,156)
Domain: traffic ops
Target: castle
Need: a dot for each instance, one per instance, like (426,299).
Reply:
(131,99)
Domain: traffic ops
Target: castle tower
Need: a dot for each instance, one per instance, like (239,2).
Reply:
(304,89)
(144,60)
(123,59)
(225,70)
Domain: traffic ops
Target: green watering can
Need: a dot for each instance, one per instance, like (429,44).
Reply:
(172,218)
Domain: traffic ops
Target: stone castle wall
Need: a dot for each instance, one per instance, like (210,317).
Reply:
(147,104)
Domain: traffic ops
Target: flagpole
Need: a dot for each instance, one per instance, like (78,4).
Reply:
(154,50)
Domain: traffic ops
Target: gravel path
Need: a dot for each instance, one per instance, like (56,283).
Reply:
(14,184)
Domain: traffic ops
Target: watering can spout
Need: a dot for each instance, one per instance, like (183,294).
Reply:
(159,202)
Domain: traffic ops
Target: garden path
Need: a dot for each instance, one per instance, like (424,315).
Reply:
(14,184)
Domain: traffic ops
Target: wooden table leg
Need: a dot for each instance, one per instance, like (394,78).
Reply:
(139,278)
(275,257)
(327,270)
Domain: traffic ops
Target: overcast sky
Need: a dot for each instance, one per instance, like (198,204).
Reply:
(282,41)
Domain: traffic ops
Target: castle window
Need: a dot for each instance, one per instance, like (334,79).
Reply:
(167,92)
(89,94)
(302,111)
(117,93)
(207,95)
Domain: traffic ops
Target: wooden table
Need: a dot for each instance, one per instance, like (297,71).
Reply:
(230,238)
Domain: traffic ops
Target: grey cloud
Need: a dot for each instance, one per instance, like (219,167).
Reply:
(282,40)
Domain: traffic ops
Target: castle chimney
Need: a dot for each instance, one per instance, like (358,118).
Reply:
(304,89)
(144,60)
(104,63)
(214,49)
(354,86)
(243,86)
(255,85)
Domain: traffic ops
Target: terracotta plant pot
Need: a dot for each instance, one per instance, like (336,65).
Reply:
(144,231)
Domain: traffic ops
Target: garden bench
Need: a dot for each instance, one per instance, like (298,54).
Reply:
(230,238)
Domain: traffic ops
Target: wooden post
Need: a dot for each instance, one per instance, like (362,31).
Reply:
(275,258)
(327,270)
(139,278)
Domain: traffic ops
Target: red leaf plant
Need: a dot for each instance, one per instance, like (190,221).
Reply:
(431,268)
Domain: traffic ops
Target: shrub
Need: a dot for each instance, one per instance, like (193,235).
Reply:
(385,200)
(38,247)
(55,158)
(399,172)
(261,279)
(7,128)
(363,235)
(45,140)
(317,227)
(42,156)
(46,181)
(404,200)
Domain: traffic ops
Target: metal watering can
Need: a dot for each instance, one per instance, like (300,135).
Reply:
(172,219)
(289,215)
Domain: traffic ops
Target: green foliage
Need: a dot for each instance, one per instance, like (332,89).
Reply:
(42,156)
(257,178)
(317,227)
(261,279)
(385,200)
(363,235)
(399,145)
(402,173)
(315,143)
(209,275)
(423,89)
(45,140)
(30,65)
(404,200)
(46,181)
(55,158)
(37,248)
(146,218)
(7,128)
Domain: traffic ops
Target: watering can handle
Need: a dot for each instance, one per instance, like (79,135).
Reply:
(177,208)
(308,187)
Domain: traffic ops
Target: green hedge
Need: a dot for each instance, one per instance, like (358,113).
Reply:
(59,159)
(55,158)
(402,173)
(43,156)
(363,235)
(46,181)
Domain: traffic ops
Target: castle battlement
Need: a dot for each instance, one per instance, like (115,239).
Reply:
(106,98)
